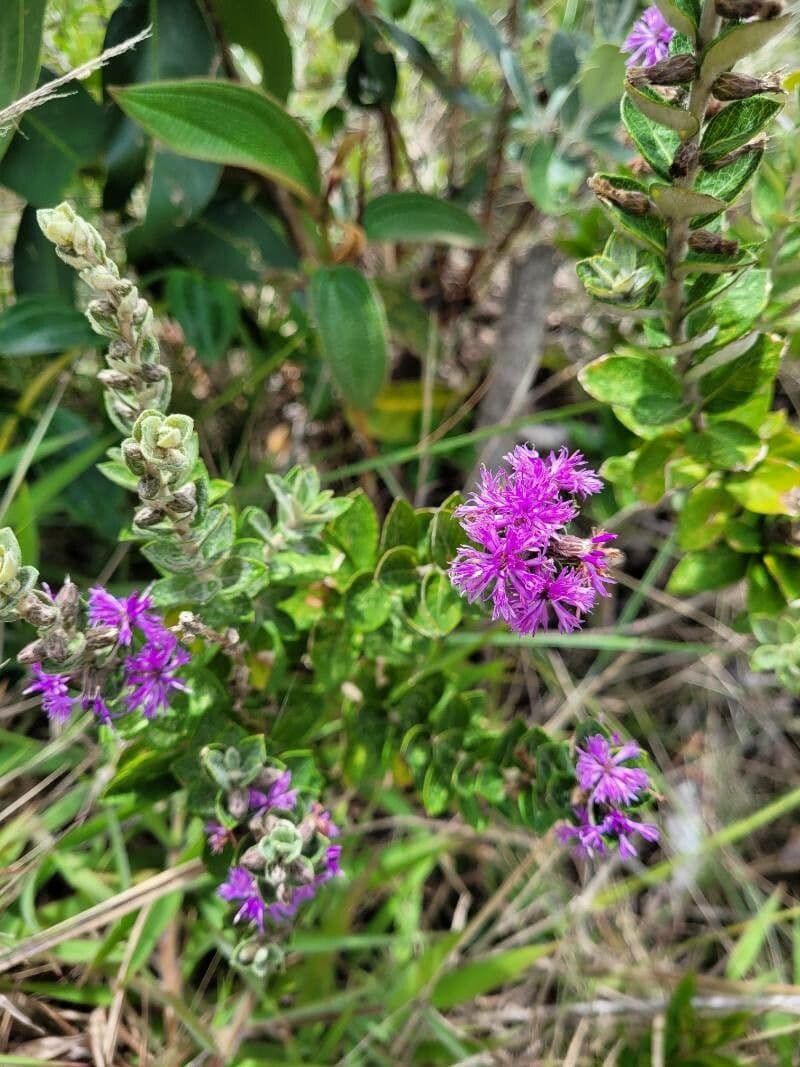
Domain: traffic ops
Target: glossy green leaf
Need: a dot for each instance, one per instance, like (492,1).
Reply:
(725,445)
(401,526)
(53,143)
(734,311)
(355,531)
(366,605)
(703,517)
(258,27)
(773,488)
(178,189)
(181,45)
(735,383)
(700,572)
(654,106)
(656,143)
(642,384)
(36,269)
(727,182)
(676,203)
(682,14)
(38,325)
(226,123)
(735,125)
(739,40)
(20,43)
(714,263)
(206,309)
(411,217)
(352,331)
(646,230)
(234,239)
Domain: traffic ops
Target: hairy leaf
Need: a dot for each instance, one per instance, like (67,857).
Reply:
(656,143)
(735,125)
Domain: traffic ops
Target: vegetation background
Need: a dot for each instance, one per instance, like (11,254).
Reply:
(455,938)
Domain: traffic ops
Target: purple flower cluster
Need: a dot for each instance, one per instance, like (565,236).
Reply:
(522,559)
(608,785)
(649,39)
(276,887)
(140,678)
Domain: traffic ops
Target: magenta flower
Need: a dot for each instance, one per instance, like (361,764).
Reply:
(523,561)
(149,674)
(56,701)
(238,885)
(279,795)
(588,838)
(217,835)
(623,827)
(323,821)
(648,41)
(332,868)
(131,612)
(601,772)
(95,703)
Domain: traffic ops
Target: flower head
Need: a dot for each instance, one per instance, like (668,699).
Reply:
(648,41)
(623,827)
(134,611)
(588,838)
(279,795)
(149,675)
(601,771)
(95,703)
(522,560)
(56,701)
(217,836)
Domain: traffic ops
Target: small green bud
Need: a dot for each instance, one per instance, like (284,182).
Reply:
(10,556)
(283,843)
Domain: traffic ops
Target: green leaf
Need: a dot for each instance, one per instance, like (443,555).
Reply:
(656,143)
(38,325)
(642,384)
(734,311)
(477,977)
(355,531)
(785,571)
(401,526)
(738,41)
(700,572)
(181,45)
(440,607)
(703,517)
(419,218)
(206,309)
(727,446)
(602,76)
(675,202)
(735,125)
(771,489)
(409,322)
(36,269)
(20,43)
(646,230)
(445,533)
(178,189)
(653,105)
(727,182)
(736,383)
(550,179)
(746,951)
(562,60)
(226,123)
(54,142)
(234,239)
(258,27)
(352,331)
(366,605)
(397,572)
(684,15)
(695,262)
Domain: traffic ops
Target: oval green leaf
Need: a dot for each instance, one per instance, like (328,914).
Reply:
(226,123)
(742,39)
(352,332)
(419,218)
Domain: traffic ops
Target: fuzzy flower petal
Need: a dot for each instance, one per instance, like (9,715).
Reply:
(601,772)
(648,41)
(149,675)
(126,614)
(56,701)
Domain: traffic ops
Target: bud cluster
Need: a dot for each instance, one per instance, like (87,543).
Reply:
(17,594)
(279,842)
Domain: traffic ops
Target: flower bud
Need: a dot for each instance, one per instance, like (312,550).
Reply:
(57,224)
(56,645)
(749,9)
(253,858)
(758,145)
(67,599)
(628,200)
(675,70)
(706,241)
(153,372)
(732,86)
(114,379)
(35,652)
(100,637)
(184,500)
(148,516)
(149,487)
(238,803)
(684,160)
(34,609)
(133,457)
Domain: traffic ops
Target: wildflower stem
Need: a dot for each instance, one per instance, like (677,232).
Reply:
(678,229)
